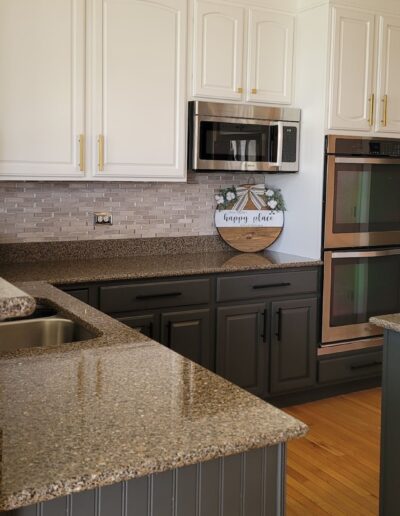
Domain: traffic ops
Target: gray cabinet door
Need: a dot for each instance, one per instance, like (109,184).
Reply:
(293,344)
(148,324)
(188,332)
(241,346)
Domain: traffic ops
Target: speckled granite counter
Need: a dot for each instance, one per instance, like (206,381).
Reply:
(135,267)
(388,322)
(14,302)
(116,407)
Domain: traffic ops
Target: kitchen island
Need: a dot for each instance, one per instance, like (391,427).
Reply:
(390,429)
(119,424)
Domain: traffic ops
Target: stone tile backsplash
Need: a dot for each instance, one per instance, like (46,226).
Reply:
(46,211)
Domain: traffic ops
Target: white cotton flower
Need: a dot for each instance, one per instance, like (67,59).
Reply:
(219,199)
(269,193)
(230,196)
(272,204)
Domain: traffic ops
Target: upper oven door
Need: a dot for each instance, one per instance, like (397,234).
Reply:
(236,144)
(362,202)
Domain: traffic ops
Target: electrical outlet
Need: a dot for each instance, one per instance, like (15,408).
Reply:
(102,217)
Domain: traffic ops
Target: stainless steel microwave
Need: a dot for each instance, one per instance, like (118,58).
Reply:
(243,138)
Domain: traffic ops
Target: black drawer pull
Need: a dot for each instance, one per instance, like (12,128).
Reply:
(271,285)
(155,296)
(364,366)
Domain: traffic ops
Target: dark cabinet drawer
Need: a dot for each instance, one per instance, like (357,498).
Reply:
(253,286)
(141,296)
(350,367)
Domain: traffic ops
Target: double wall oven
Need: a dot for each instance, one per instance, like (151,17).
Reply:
(361,240)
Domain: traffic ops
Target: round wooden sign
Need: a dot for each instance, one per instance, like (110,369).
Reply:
(249,217)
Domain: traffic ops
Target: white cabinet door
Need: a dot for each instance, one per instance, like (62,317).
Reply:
(218,51)
(270,57)
(388,101)
(140,89)
(351,97)
(42,84)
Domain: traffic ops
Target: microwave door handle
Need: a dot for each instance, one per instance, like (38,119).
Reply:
(279,150)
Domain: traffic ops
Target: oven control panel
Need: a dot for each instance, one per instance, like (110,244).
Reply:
(383,148)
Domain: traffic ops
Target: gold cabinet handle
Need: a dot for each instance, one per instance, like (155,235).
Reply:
(240,90)
(371,109)
(81,140)
(253,91)
(100,142)
(385,107)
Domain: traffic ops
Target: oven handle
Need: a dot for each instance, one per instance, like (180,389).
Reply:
(366,254)
(368,161)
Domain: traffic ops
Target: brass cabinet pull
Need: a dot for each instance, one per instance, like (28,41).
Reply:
(371,109)
(100,142)
(240,90)
(81,140)
(253,91)
(385,106)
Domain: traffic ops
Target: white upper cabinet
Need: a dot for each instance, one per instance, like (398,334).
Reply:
(140,90)
(242,54)
(42,85)
(218,58)
(270,57)
(388,92)
(352,101)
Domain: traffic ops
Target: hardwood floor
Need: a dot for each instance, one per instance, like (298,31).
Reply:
(335,468)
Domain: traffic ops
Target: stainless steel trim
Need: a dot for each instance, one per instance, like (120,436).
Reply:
(353,345)
(365,160)
(243,166)
(247,111)
(365,254)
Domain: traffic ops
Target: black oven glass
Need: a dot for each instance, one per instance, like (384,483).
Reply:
(238,142)
(366,198)
(364,287)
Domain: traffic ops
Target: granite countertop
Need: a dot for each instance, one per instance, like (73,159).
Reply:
(156,265)
(116,407)
(14,302)
(388,322)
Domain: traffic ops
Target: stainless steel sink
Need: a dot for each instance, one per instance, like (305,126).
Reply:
(46,331)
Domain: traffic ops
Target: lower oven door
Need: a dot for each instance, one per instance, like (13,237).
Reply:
(357,286)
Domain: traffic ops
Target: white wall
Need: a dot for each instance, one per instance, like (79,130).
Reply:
(303,191)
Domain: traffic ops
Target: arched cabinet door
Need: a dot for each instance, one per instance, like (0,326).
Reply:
(42,89)
(140,90)
(218,51)
(388,94)
(270,57)
(352,100)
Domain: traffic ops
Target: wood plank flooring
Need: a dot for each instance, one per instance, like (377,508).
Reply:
(335,469)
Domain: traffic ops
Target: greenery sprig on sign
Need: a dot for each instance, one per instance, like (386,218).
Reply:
(270,198)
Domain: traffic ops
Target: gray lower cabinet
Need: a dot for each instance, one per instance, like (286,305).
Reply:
(148,324)
(241,354)
(293,352)
(188,333)
(247,484)
(390,428)
(258,330)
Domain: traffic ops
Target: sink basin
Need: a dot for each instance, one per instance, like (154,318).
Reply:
(46,331)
